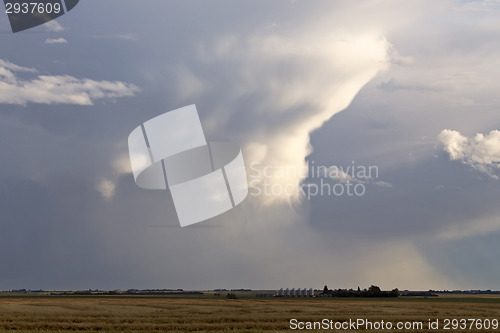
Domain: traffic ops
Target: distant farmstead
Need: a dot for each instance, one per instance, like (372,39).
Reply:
(296,292)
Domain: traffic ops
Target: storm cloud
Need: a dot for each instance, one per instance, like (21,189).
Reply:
(272,77)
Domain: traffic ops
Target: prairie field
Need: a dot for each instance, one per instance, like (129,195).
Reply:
(167,314)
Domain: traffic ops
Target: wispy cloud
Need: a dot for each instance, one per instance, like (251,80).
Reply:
(480,6)
(363,175)
(393,85)
(55,41)
(106,188)
(7,65)
(397,59)
(56,89)
(53,26)
(117,36)
(470,228)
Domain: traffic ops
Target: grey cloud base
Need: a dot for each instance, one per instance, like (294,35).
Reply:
(255,69)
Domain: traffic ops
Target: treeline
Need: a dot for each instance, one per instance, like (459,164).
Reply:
(150,292)
(373,291)
(419,293)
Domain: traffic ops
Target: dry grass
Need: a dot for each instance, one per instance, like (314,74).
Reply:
(115,314)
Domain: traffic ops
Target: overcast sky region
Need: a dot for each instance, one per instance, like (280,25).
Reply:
(409,88)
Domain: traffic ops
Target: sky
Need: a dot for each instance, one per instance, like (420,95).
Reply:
(396,102)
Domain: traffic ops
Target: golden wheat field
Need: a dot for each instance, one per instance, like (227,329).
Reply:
(162,314)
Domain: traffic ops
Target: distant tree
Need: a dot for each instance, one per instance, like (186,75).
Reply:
(231,296)
(374,290)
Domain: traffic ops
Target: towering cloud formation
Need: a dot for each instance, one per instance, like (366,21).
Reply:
(481,152)
(288,87)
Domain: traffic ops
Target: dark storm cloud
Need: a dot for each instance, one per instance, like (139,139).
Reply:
(58,231)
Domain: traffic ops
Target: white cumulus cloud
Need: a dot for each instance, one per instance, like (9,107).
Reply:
(482,152)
